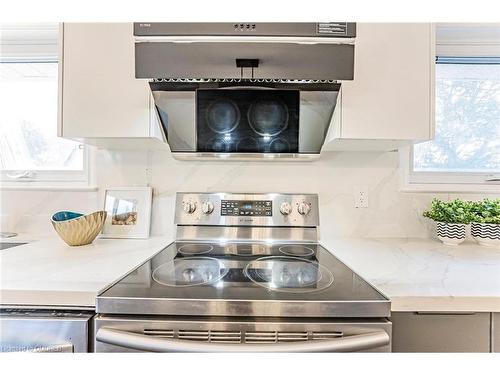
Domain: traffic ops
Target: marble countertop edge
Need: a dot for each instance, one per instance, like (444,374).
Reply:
(415,274)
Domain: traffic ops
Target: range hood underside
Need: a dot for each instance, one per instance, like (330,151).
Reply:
(233,156)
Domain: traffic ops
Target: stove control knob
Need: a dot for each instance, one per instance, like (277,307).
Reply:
(189,207)
(286,208)
(207,207)
(304,208)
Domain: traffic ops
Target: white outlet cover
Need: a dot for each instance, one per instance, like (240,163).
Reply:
(360,196)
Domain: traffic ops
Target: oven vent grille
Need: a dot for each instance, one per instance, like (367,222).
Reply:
(165,333)
(250,337)
(327,335)
(261,337)
(210,336)
(279,336)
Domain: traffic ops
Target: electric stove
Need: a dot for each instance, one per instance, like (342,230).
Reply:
(247,260)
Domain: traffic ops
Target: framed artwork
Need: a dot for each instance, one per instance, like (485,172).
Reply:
(129,212)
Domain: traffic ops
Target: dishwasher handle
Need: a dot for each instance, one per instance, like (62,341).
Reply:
(142,342)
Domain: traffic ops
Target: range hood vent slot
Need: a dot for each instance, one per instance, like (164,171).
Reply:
(244,80)
(191,84)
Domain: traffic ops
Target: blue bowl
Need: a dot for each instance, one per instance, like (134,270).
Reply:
(65,215)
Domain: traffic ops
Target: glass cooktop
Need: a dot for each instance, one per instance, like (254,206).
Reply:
(189,278)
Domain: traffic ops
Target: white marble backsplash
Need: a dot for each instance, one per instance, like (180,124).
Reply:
(391,213)
(30,211)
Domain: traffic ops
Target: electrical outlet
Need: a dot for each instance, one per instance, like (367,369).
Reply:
(360,196)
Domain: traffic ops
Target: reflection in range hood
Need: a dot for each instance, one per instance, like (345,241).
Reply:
(183,59)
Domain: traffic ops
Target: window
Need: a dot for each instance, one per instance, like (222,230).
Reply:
(466,147)
(467,119)
(30,150)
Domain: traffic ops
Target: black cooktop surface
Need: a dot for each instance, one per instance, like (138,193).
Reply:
(255,273)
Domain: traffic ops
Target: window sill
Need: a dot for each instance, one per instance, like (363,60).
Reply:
(449,188)
(440,183)
(19,187)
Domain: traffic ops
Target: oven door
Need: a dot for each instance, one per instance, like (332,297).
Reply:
(129,334)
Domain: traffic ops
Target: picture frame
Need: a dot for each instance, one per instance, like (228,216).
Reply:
(129,212)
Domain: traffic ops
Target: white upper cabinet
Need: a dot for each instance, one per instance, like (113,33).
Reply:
(390,102)
(101,101)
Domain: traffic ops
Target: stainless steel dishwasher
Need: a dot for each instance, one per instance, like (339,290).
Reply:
(42,330)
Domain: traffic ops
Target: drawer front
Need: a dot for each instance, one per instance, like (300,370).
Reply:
(441,332)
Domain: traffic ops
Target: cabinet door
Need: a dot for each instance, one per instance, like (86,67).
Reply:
(440,332)
(100,95)
(391,96)
(495,332)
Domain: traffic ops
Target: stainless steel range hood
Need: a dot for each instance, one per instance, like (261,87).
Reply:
(182,60)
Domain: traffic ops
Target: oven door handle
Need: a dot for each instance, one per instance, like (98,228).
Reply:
(142,342)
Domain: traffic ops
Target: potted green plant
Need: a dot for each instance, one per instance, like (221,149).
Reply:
(485,226)
(451,219)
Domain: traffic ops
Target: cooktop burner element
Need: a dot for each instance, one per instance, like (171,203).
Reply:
(219,144)
(268,117)
(279,145)
(194,248)
(289,274)
(296,250)
(184,272)
(223,116)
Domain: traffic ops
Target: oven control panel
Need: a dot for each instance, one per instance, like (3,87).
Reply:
(247,209)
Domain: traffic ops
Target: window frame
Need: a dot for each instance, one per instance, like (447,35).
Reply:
(450,44)
(43,177)
(473,182)
(34,48)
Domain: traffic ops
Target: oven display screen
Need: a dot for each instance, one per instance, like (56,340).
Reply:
(246,208)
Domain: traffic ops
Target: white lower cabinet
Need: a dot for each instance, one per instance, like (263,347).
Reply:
(441,332)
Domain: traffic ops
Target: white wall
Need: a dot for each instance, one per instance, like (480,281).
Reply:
(390,213)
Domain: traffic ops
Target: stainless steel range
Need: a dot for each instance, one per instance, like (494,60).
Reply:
(245,274)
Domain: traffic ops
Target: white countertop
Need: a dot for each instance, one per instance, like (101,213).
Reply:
(416,274)
(425,275)
(47,272)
